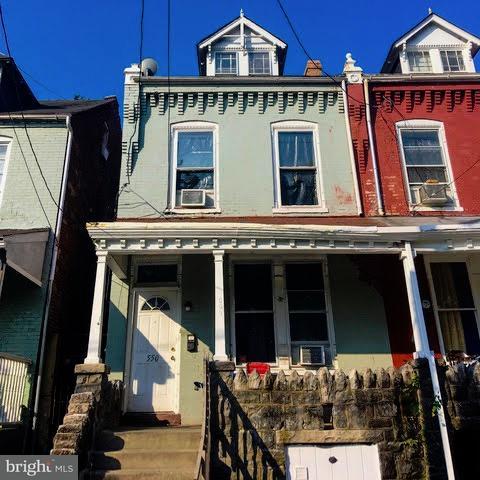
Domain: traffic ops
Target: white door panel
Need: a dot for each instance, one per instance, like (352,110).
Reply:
(154,355)
(333,462)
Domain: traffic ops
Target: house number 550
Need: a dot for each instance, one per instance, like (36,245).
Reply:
(152,358)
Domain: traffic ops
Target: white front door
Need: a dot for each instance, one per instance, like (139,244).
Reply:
(333,462)
(154,355)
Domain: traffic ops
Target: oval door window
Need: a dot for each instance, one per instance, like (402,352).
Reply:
(156,303)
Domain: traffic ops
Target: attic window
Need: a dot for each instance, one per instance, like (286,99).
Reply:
(452,61)
(226,63)
(259,63)
(419,62)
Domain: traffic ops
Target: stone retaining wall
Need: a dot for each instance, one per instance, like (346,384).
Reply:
(462,386)
(254,418)
(95,404)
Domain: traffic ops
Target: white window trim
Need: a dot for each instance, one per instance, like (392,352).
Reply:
(420,50)
(428,260)
(281,321)
(270,60)
(295,125)
(219,52)
(8,141)
(198,126)
(420,124)
(460,51)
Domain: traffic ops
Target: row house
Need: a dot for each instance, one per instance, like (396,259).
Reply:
(414,129)
(284,224)
(59,168)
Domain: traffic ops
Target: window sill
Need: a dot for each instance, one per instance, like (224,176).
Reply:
(433,209)
(299,210)
(190,211)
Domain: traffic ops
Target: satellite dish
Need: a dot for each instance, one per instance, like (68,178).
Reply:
(148,67)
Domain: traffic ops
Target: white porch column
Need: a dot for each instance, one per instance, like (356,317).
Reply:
(96,322)
(422,347)
(220,340)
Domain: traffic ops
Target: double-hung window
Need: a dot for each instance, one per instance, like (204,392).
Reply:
(455,308)
(259,63)
(307,311)
(296,164)
(4,149)
(194,155)
(452,60)
(226,63)
(419,61)
(425,160)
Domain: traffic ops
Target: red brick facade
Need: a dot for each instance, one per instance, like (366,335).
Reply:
(456,105)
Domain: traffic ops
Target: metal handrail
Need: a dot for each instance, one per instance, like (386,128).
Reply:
(202,470)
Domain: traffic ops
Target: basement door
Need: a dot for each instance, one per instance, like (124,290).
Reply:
(153,369)
(333,462)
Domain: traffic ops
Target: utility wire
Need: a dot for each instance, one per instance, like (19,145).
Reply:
(40,83)
(379,107)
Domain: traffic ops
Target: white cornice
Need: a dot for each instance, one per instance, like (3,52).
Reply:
(132,237)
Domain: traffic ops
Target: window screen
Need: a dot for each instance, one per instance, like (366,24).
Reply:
(3,158)
(254,328)
(298,172)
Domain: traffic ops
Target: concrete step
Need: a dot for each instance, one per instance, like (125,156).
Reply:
(145,459)
(159,474)
(153,438)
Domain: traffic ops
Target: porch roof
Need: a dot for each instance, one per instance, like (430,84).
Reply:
(370,235)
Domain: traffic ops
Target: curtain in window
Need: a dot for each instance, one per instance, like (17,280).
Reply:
(195,149)
(296,149)
(452,331)
(298,187)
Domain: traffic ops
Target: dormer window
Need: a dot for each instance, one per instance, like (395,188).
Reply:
(226,63)
(419,62)
(452,60)
(434,46)
(241,48)
(259,63)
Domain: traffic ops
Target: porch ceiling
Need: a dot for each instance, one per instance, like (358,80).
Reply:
(155,237)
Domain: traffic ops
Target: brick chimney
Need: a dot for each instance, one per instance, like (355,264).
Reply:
(313,68)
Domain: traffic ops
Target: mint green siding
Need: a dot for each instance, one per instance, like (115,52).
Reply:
(19,207)
(22,303)
(245,173)
(359,317)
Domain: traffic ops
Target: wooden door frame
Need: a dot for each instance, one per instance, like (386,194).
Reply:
(131,325)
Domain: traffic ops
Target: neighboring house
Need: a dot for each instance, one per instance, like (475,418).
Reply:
(59,168)
(255,225)
(424,123)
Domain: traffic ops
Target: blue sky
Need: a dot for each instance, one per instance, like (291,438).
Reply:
(82,46)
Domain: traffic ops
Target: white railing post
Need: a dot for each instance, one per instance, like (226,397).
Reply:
(94,352)
(422,347)
(220,340)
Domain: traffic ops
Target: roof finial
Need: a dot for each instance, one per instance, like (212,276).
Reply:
(430,10)
(241,12)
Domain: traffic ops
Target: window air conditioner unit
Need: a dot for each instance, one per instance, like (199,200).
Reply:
(192,198)
(312,355)
(433,194)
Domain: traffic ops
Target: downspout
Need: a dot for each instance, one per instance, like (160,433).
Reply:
(53,264)
(350,149)
(372,148)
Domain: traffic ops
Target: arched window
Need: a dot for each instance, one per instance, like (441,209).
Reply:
(156,303)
